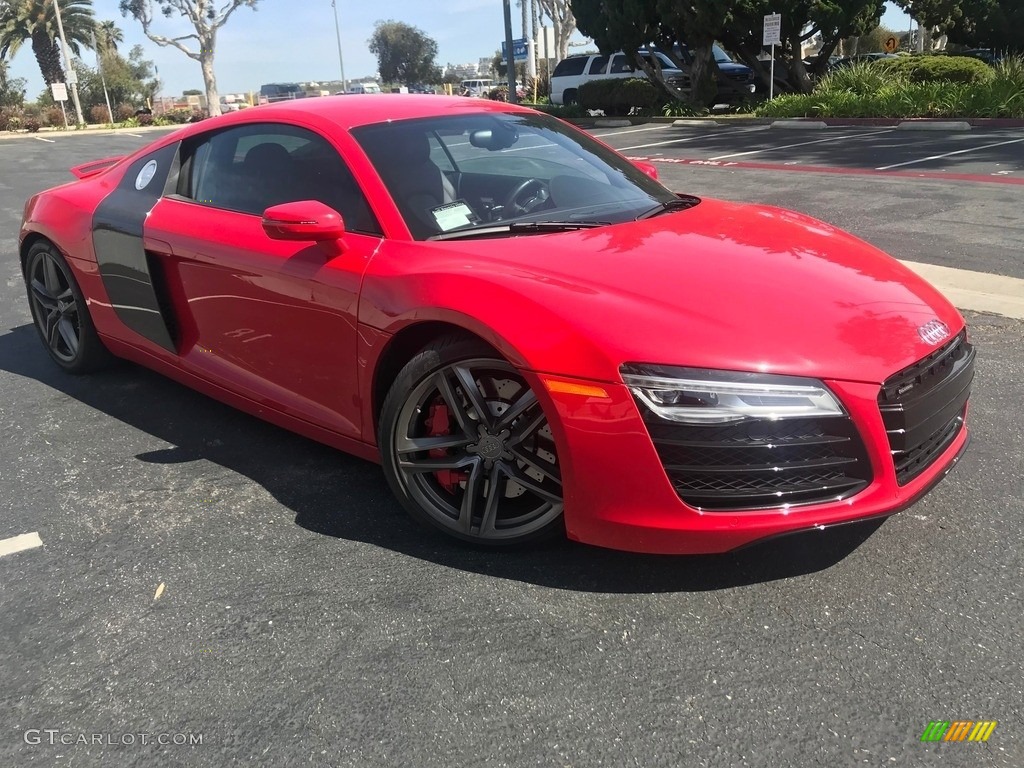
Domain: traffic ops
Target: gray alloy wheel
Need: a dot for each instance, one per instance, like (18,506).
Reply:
(467,448)
(60,313)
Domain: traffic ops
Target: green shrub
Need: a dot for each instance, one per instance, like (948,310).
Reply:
(932,69)
(10,118)
(564,111)
(862,78)
(618,96)
(98,115)
(178,116)
(124,112)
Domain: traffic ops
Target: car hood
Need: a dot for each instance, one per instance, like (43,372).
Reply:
(727,286)
(731,66)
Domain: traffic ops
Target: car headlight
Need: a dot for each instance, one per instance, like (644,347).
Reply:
(702,396)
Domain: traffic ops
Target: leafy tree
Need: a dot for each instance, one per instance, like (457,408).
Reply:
(995,24)
(404,53)
(129,81)
(12,89)
(36,21)
(206,19)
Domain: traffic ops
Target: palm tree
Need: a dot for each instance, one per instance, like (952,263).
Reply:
(108,35)
(36,21)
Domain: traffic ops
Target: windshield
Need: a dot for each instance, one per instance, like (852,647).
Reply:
(720,55)
(476,170)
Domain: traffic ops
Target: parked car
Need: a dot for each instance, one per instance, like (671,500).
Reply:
(477,87)
(526,329)
(735,80)
(362,88)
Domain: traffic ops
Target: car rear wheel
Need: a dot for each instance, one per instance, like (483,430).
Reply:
(60,313)
(467,448)
(570,96)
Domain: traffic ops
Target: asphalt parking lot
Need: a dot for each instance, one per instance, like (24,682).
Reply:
(303,619)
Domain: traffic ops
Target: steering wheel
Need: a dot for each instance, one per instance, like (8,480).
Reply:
(527,196)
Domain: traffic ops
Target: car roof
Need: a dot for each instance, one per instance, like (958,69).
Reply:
(354,110)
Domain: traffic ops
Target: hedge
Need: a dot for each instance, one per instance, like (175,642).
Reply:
(620,95)
(933,69)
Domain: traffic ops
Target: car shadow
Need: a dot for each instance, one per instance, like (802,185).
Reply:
(333,494)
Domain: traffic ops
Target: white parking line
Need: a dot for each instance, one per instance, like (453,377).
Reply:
(671,141)
(20,543)
(799,144)
(634,130)
(137,135)
(949,154)
(40,138)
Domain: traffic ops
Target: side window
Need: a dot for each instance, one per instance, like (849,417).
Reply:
(620,64)
(597,65)
(253,167)
(572,66)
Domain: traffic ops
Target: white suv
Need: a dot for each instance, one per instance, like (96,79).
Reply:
(574,71)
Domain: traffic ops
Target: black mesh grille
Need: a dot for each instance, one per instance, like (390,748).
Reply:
(923,406)
(761,464)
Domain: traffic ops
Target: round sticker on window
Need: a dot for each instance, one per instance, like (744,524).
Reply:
(145,175)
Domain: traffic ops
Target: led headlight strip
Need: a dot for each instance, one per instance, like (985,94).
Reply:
(702,396)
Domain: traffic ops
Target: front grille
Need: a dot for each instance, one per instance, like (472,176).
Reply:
(740,76)
(761,464)
(923,406)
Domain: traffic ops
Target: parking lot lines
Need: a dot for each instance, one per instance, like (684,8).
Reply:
(19,543)
(798,144)
(950,154)
(673,141)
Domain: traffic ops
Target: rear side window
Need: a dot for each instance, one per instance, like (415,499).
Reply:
(571,66)
(620,64)
(253,167)
(597,65)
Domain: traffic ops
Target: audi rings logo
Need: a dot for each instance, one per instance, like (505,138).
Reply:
(933,331)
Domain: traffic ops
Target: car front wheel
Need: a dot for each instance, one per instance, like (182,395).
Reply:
(60,312)
(467,448)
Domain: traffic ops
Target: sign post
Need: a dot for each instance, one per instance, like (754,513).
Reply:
(772,37)
(60,95)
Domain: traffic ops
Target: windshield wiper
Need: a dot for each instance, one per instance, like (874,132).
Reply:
(680,203)
(517,228)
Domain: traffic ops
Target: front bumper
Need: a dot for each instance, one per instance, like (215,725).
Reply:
(618,495)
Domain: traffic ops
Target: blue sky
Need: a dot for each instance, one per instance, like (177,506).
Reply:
(294,40)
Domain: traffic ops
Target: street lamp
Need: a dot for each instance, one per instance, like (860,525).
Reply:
(70,75)
(341,61)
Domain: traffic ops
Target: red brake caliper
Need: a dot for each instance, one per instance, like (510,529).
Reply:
(439,423)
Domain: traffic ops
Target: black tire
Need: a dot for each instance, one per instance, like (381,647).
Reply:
(60,313)
(569,96)
(492,481)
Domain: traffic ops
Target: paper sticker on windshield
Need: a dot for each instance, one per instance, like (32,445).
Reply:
(145,175)
(454,215)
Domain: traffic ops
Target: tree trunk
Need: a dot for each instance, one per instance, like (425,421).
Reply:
(210,80)
(48,57)
(703,75)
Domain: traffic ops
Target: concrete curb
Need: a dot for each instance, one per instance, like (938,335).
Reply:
(933,125)
(615,122)
(800,124)
(978,291)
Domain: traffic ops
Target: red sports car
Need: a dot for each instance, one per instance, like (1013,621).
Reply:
(528,331)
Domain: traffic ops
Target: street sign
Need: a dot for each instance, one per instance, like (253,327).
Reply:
(72,78)
(891,44)
(519,50)
(773,29)
(59,91)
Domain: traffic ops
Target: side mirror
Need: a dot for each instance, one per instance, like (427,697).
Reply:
(647,168)
(308,220)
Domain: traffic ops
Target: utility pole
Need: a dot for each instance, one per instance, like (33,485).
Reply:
(70,76)
(510,57)
(341,61)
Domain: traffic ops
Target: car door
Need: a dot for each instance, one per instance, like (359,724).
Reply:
(270,319)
